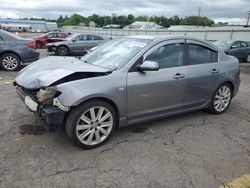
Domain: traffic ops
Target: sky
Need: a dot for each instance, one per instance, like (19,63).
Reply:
(232,11)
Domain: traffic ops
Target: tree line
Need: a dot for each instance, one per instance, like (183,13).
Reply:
(100,21)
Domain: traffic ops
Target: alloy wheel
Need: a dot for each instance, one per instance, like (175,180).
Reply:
(10,62)
(63,51)
(94,125)
(222,98)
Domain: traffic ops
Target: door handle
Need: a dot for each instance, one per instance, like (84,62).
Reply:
(214,71)
(178,76)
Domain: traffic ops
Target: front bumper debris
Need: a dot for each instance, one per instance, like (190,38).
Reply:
(52,115)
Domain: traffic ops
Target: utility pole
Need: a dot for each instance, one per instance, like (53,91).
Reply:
(199,14)
(248,18)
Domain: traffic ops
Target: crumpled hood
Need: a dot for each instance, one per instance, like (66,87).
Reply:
(48,70)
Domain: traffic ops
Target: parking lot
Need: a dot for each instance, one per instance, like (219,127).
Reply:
(192,150)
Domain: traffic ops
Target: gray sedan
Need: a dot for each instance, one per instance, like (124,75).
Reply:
(15,50)
(129,81)
(76,44)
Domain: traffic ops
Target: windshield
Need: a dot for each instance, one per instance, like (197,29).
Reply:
(223,44)
(116,53)
(71,37)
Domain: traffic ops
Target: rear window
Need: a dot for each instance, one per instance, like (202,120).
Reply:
(200,54)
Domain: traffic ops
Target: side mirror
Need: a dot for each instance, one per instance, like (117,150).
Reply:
(73,40)
(233,47)
(149,66)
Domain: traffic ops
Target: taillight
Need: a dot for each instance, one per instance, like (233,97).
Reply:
(31,45)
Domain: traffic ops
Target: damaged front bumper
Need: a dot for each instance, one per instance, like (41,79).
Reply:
(52,114)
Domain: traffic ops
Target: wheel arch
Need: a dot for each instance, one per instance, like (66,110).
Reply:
(10,52)
(231,84)
(107,100)
(65,45)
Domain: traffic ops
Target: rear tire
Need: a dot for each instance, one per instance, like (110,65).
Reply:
(221,99)
(91,124)
(10,62)
(62,50)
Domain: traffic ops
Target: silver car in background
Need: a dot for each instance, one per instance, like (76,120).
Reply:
(128,81)
(76,44)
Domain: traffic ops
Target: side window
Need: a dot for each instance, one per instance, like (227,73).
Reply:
(236,45)
(91,37)
(98,38)
(51,35)
(243,44)
(168,56)
(59,35)
(199,55)
(81,37)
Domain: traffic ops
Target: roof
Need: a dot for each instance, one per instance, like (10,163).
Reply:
(22,21)
(160,38)
(155,37)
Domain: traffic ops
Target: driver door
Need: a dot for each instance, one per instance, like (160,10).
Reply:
(152,93)
(77,45)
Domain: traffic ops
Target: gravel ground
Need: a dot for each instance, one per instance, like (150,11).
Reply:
(192,150)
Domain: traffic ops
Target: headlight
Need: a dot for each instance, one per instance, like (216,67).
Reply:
(46,94)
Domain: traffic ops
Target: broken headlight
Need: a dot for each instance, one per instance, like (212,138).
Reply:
(46,94)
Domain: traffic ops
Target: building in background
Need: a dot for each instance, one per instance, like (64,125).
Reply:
(27,25)
(143,25)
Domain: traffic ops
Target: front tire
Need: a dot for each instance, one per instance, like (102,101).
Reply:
(221,99)
(91,124)
(10,62)
(62,50)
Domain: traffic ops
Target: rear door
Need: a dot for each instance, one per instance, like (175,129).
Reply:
(202,73)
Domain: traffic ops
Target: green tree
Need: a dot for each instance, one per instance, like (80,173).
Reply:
(121,20)
(130,19)
(141,18)
(75,19)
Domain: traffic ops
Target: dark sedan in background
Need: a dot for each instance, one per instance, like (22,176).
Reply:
(76,44)
(15,50)
(239,49)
